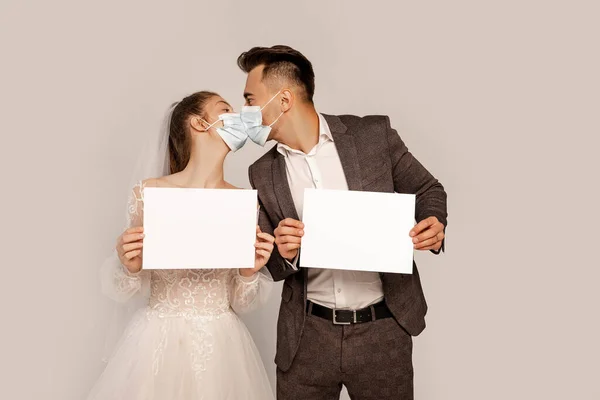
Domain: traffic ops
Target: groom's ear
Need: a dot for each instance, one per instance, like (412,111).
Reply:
(287,100)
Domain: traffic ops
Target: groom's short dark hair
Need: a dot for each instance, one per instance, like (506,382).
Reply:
(281,61)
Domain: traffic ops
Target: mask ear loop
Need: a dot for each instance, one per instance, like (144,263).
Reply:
(276,119)
(263,107)
(209,125)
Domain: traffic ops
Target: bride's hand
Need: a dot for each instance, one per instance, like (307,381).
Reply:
(129,248)
(264,247)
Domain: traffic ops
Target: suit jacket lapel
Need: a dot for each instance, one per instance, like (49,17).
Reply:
(346,148)
(282,189)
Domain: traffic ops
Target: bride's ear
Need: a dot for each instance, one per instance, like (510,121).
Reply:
(197,125)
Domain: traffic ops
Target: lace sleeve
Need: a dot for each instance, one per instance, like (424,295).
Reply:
(117,282)
(246,294)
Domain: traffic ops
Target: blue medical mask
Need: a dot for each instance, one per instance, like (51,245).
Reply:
(251,117)
(232,132)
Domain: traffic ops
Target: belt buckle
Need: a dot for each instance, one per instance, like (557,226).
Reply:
(336,322)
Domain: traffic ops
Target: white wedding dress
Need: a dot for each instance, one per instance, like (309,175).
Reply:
(188,342)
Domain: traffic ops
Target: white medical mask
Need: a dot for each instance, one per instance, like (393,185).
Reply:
(251,117)
(232,132)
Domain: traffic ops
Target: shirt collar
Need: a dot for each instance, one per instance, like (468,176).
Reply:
(324,136)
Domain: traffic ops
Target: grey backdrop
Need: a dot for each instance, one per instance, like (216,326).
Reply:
(499,99)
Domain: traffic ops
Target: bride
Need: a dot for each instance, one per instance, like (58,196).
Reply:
(187,342)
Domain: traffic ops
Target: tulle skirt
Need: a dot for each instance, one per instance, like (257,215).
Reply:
(184,358)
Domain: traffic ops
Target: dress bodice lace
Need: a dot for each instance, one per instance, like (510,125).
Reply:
(191,292)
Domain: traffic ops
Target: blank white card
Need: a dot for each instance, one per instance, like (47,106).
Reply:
(361,231)
(199,228)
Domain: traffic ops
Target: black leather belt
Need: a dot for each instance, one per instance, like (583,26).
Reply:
(347,317)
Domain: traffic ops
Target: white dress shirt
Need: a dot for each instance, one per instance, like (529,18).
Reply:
(321,168)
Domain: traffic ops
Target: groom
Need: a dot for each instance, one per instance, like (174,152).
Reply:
(336,327)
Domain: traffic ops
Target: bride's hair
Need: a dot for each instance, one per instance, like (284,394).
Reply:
(179,136)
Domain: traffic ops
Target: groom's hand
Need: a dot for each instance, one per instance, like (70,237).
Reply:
(428,234)
(288,237)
